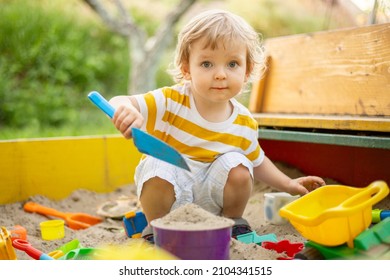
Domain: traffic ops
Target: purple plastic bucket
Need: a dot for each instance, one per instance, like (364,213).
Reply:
(210,244)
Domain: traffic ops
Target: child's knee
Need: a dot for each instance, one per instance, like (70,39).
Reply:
(239,176)
(156,189)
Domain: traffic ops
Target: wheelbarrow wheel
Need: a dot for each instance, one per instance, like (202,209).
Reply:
(309,253)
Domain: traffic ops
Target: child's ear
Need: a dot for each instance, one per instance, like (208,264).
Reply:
(248,73)
(185,70)
(246,77)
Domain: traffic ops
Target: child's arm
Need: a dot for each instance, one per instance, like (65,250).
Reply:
(268,173)
(127,114)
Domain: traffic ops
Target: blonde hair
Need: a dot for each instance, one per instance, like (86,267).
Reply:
(219,26)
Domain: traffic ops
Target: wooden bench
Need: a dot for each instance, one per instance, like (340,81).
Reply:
(327,95)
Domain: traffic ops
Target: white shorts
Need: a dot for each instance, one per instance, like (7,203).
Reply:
(203,185)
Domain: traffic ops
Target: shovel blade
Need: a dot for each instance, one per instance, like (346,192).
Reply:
(144,142)
(154,147)
(81,220)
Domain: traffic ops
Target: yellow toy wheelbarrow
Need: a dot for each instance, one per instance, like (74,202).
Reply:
(334,214)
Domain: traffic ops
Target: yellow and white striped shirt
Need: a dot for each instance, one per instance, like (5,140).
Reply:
(170,115)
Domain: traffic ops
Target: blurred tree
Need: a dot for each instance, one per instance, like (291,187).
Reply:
(144,51)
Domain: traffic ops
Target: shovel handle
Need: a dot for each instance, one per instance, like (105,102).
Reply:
(25,246)
(101,103)
(106,107)
(37,208)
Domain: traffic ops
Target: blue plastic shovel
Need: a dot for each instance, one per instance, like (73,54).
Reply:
(144,142)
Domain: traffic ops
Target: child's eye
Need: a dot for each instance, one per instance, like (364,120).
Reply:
(233,64)
(206,64)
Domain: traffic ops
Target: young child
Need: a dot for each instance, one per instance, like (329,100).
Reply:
(216,55)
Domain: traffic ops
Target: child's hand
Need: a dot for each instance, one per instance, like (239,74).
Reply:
(304,185)
(125,118)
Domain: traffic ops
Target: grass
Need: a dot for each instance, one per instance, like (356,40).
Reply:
(85,123)
(46,132)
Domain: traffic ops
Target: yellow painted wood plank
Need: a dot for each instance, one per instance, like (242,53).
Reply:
(122,159)
(340,72)
(55,167)
(324,122)
(10,177)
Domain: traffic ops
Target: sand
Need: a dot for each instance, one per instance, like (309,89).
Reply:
(192,217)
(111,231)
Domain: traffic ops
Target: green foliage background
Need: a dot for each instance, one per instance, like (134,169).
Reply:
(50,60)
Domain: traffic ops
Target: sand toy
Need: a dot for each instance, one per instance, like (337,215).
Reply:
(25,246)
(333,215)
(145,142)
(73,220)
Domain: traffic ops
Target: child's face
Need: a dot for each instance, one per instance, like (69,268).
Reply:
(217,74)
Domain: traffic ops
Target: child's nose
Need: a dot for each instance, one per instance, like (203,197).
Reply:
(220,73)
